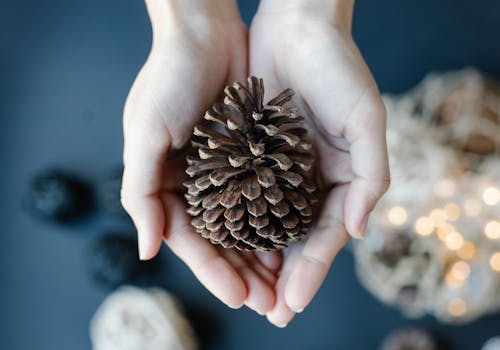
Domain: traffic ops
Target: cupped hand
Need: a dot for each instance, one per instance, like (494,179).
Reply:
(198,48)
(311,51)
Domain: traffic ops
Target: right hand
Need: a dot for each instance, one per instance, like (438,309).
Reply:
(198,48)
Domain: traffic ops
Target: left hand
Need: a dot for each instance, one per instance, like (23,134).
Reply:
(310,49)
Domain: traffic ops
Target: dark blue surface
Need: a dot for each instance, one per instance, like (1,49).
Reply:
(65,70)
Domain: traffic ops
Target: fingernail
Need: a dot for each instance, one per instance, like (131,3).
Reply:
(142,244)
(260,313)
(235,307)
(298,311)
(282,325)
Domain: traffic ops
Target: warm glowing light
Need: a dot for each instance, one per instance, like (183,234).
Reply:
(397,216)
(443,230)
(457,307)
(452,211)
(438,216)
(445,188)
(454,241)
(495,261)
(424,226)
(472,207)
(452,281)
(491,195)
(460,270)
(492,229)
(467,251)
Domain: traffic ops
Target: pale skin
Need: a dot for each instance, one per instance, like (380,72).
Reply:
(198,48)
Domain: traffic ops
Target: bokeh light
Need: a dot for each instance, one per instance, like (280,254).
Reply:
(454,241)
(491,195)
(445,188)
(438,216)
(492,229)
(467,251)
(424,226)
(452,211)
(495,261)
(397,215)
(457,307)
(472,207)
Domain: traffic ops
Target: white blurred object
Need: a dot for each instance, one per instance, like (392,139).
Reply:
(492,344)
(140,319)
(433,243)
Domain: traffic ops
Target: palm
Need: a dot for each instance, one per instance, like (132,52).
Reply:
(333,87)
(234,277)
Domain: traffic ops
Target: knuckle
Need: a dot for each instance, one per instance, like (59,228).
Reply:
(126,202)
(381,187)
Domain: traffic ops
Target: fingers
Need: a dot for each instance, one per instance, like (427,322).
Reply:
(320,249)
(260,297)
(365,132)
(143,161)
(204,260)
(271,260)
(281,314)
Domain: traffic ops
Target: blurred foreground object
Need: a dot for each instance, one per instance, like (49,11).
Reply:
(113,260)
(409,339)
(58,196)
(492,344)
(138,319)
(433,244)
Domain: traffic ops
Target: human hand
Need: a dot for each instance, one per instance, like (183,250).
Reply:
(198,48)
(306,45)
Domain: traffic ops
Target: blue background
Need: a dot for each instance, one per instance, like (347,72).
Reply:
(65,70)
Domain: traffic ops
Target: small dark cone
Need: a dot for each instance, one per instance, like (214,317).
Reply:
(250,185)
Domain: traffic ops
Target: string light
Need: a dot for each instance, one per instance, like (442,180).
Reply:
(424,226)
(454,241)
(492,229)
(472,207)
(397,215)
(445,188)
(460,270)
(495,261)
(491,195)
(467,251)
(457,307)
(438,216)
(443,230)
(457,274)
(452,211)
(452,281)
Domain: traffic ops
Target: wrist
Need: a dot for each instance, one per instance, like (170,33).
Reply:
(221,9)
(171,16)
(335,12)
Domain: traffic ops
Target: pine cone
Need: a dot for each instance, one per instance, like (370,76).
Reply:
(250,187)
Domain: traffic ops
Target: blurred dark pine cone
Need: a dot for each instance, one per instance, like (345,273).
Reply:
(250,187)
(59,196)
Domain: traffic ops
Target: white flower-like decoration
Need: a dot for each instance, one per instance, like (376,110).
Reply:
(138,319)
(433,244)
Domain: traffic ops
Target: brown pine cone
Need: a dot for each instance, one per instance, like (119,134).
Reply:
(250,187)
